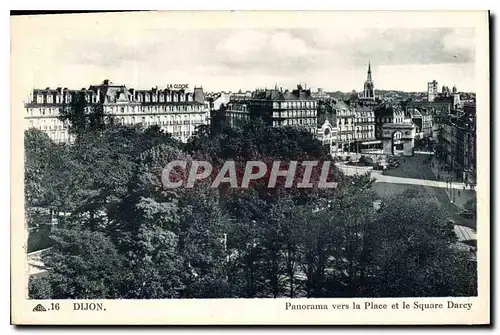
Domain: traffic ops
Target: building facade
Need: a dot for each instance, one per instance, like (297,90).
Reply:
(328,125)
(277,108)
(432,90)
(457,143)
(285,108)
(364,123)
(320,94)
(237,112)
(42,111)
(387,113)
(346,119)
(422,118)
(178,112)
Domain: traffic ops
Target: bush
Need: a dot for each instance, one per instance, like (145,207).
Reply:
(209,288)
(39,288)
(84,265)
(412,193)
(471,205)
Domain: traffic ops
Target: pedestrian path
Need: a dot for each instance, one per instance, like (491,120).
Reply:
(412,181)
(456,191)
(377,174)
(460,195)
(464,233)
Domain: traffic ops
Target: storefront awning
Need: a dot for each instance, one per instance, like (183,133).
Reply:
(371,142)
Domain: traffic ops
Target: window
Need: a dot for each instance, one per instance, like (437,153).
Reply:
(122,110)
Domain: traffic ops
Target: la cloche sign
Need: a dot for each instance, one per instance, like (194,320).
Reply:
(177,86)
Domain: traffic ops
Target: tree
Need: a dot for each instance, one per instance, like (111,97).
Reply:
(412,253)
(247,211)
(471,205)
(81,115)
(281,241)
(155,267)
(256,139)
(189,219)
(39,288)
(130,237)
(48,177)
(103,162)
(84,265)
(38,149)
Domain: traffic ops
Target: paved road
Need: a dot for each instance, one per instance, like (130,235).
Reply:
(390,177)
(444,201)
(412,181)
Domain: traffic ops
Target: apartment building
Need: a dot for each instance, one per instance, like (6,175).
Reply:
(176,110)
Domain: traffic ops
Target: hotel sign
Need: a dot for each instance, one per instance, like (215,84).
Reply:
(177,86)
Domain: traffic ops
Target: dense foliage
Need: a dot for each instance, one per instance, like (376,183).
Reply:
(120,234)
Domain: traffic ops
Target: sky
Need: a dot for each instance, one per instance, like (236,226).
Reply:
(240,58)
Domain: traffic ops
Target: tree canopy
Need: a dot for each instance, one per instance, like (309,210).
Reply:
(124,235)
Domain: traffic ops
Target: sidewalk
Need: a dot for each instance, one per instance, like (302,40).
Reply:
(351,170)
(457,193)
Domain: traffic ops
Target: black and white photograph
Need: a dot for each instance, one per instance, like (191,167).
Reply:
(251,159)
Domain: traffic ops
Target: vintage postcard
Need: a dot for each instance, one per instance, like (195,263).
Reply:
(270,168)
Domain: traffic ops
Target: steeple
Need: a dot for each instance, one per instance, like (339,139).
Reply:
(369,90)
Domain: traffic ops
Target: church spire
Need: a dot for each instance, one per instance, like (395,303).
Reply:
(369,90)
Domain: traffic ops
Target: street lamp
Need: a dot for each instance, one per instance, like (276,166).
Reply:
(451,190)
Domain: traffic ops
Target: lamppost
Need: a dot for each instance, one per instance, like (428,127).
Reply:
(448,186)
(451,190)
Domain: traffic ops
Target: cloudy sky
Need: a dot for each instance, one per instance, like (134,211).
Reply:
(230,59)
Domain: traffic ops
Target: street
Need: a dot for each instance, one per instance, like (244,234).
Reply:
(414,168)
(413,173)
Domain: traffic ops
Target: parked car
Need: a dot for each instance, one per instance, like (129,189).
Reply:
(365,161)
(394,164)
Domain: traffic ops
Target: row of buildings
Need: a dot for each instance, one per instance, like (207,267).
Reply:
(449,117)
(345,125)
(457,142)
(177,111)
